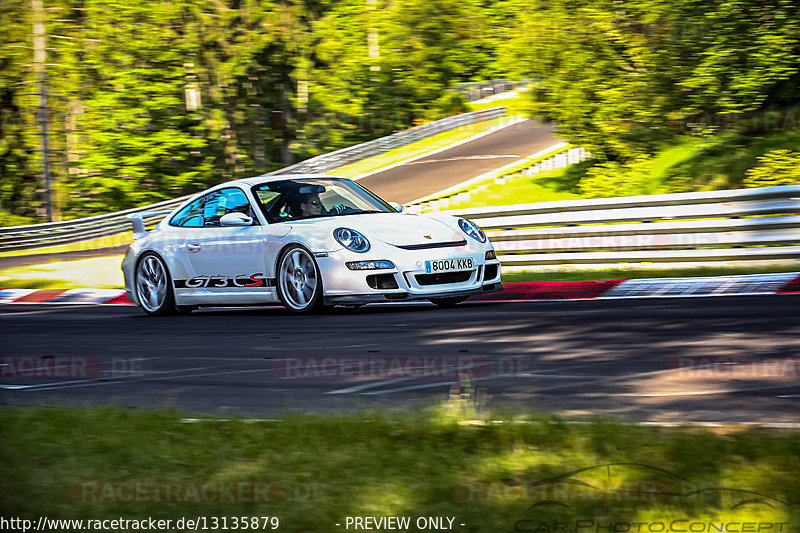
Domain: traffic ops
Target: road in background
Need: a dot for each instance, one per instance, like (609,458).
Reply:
(637,359)
(436,172)
(17,261)
(403,183)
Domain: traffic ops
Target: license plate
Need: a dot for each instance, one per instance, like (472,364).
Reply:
(449,265)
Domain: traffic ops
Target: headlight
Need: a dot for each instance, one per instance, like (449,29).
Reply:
(471,229)
(369,265)
(490,254)
(351,239)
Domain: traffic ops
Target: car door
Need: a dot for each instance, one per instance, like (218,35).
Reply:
(227,263)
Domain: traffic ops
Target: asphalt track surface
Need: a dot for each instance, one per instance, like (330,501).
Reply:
(613,357)
(436,172)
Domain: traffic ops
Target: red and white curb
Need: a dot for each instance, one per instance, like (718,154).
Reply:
(752,284)
(64,296)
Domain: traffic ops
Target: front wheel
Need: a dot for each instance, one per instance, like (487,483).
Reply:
(451,301)
(154,286)
(299,281)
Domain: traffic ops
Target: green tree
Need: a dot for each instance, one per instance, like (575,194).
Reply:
(778,167)
(617,78)
(362,89)
(613,178)
(137,144)
(19,160)
(151,100)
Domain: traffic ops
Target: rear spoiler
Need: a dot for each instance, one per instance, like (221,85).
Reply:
(137,221)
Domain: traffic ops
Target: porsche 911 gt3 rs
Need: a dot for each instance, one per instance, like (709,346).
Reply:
(303,241)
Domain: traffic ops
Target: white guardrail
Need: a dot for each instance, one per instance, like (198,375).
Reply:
(33,236)
(753,226)
(696,229)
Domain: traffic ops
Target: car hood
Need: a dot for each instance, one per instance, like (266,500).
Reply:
(396,229)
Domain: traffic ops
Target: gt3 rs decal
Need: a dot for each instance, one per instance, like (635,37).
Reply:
(218,282)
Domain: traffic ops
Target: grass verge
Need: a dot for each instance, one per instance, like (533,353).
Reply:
(718,161)
(102,463)
(102,242)
(95,273)
(692,163)
(518,189)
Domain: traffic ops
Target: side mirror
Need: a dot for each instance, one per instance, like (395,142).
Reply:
(235,219)
(397,207)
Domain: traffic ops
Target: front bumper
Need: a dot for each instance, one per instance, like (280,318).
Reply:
(127,267)
(345,286)
(396,296)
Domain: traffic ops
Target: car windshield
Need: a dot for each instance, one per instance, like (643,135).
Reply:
(303,198)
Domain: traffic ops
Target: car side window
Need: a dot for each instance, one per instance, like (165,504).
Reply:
(225,201)
(207,210)
(190,216)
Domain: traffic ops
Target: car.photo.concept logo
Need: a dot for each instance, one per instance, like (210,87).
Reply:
(613,498)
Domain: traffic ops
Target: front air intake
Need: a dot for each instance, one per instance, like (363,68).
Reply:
(444,278)
(382,281)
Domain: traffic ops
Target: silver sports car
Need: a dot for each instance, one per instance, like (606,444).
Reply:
(304,241)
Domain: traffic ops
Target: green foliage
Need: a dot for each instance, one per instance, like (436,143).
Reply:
(151,100)
(616,179)
(137,144)
(385,67)
(619,79)
(721,161)
(19,159)
(8,219)
(450,103)
(779,167)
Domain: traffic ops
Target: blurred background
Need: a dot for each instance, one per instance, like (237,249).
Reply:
(107,105)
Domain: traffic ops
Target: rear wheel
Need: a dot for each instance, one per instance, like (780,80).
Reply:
(154,286)
(299,281)
(448,302)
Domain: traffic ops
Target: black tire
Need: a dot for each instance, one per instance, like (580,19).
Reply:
(153,285)
(446,303)
(299,281)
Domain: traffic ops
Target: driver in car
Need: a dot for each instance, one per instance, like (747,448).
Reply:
(310,206)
